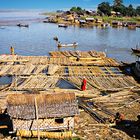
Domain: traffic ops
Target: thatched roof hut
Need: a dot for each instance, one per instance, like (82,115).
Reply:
(22,106)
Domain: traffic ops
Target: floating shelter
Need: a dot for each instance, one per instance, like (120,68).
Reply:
(43,113)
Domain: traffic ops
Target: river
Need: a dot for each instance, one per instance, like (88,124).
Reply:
(38,39)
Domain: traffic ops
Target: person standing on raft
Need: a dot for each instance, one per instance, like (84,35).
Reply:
(84,83)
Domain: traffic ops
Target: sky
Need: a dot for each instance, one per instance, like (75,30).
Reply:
(57,4)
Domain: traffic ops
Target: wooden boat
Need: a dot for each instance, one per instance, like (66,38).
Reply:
(131,25)
(22,25)
(55,38)
(45,21)
(126,64)
(62,25)
(135,50)
(67,45)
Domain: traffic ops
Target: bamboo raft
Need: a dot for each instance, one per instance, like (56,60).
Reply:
(77,53)
(39,82)
(31,72)
(115,83)
(27,69)
(63,61)
(105,83)
(93,70)
(43,72)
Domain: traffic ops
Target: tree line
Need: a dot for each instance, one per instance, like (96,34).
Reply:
(105,8)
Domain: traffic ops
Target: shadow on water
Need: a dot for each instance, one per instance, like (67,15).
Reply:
(63,84)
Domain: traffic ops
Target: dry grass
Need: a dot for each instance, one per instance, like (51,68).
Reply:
(23,99)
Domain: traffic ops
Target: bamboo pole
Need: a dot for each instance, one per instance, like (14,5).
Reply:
(36,108)
(3,127)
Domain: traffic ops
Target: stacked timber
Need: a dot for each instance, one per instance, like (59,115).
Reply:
(117,100)
(77,53)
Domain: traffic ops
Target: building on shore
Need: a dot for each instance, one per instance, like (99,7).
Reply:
(89,20)
(44,113)
(98,20)
(82,22)
(116,23)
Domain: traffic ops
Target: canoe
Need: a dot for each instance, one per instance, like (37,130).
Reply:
(68,45)
(22,25)
(62,25)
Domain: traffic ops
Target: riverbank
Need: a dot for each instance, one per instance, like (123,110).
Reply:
(74,19)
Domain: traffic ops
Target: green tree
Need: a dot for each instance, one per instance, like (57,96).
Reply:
(104,8)
(131,11)
(122,9)
(119,7)
(118,2)
(78,10)
(138,10)
(74,9)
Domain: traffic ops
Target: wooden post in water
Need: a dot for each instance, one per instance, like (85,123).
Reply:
(36,108)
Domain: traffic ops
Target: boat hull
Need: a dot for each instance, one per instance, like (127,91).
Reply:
(135,50)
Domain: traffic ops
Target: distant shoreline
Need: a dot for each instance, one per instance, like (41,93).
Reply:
(14,17)
(15,22)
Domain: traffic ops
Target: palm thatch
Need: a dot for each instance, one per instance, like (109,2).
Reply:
(22,106)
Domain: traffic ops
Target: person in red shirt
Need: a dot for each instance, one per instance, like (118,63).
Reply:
(84,83)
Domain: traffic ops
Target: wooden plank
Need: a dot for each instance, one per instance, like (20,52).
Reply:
(36,108)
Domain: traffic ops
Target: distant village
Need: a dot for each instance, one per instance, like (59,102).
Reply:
(105,15)
(90,18)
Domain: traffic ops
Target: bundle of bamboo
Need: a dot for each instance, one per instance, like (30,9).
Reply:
(77,53)
(40,82)
(54,135)
(112,83)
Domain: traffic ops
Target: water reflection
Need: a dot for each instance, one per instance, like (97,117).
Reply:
(5,80)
